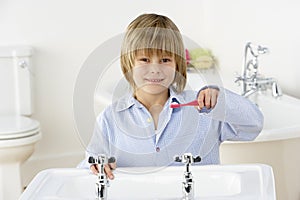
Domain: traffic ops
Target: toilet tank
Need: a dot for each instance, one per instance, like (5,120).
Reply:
(16,74)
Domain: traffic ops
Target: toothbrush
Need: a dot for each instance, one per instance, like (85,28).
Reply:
(178,105)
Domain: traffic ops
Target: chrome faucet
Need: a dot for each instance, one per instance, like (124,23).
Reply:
(102,182)
(188,183)
(252,81)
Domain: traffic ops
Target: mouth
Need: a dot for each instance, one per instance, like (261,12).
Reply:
(154,80)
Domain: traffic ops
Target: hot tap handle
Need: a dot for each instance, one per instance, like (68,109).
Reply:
(177,158)
(92,160)
(97,160)
(101,160)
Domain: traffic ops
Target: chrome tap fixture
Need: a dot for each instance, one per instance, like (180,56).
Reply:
(102,181)
(251,80)
(188,183)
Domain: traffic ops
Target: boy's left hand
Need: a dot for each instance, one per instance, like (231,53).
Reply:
(208,98)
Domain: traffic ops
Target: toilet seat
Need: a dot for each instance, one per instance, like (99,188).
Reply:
(15,127)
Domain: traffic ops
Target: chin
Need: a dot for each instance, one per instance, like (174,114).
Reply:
(155,89)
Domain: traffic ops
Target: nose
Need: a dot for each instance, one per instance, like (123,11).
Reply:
(154,68)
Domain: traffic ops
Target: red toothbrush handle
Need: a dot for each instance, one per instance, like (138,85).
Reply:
(192,103)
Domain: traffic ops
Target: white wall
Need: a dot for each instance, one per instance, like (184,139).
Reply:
(230,24)
(64,33)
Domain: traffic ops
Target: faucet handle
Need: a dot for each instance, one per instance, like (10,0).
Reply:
(238,78)
(177,158)
(92,160)
(276,90)
(187,158)
(111,160)
(197,159)
(101,159)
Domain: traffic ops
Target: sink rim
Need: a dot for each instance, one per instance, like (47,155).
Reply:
(40,180)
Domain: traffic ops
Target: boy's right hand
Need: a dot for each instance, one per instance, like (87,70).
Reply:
(108,168)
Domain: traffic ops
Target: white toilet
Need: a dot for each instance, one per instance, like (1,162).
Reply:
(18,132)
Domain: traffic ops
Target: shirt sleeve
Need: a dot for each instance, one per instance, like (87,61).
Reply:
(241,119)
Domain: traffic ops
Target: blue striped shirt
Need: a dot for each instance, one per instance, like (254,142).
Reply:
(126,130)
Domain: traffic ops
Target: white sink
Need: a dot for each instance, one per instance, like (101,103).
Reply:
(242,182)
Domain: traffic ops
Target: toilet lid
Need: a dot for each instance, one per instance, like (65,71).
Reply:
(17,126)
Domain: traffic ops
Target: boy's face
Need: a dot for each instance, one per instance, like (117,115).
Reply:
(153,73)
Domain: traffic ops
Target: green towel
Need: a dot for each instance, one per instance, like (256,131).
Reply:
(202,58)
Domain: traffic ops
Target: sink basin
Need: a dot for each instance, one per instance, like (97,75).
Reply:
(212,182)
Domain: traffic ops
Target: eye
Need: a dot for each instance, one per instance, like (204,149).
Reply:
(166,60)
(144,60)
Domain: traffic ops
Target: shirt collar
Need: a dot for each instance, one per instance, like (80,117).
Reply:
(176,97)
(128,100)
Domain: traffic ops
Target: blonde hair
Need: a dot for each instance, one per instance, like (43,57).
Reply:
(153,34)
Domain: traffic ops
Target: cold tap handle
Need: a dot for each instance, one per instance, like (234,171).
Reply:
(111,160)
(197,159)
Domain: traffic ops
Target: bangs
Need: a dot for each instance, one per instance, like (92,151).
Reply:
(152,52)
(154,40)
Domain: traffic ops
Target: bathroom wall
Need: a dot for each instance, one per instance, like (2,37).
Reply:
(230,24)
(64,33)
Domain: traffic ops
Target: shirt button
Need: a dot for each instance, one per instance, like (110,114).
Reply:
(157,149)
(149,120)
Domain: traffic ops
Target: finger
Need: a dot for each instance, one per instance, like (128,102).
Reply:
(214,98)
(112,165)
(94,169)
(208,98)
(201,99)
(108,172)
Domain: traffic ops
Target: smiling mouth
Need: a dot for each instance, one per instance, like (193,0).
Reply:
(154,80)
